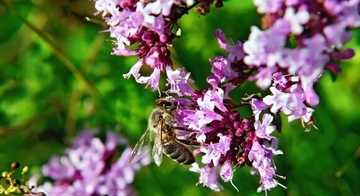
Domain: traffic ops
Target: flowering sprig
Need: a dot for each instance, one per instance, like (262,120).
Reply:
(298,42)
(228,139)
(89,168)
(319,30)
(150,25)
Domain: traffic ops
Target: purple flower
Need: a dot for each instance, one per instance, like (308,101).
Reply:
(266,49)
(227,138)
(179,81)
(220,69)
(291,104)
(268,6)
(149,25)
(346,14)
(208,176)
(236,52)
(256,154)
(261,157)
(264,128)
(55,168)
(152,80)
(224,144)
(87,169)
(136,22)
(257,107)
(213,152)
(263,78)
(213,97)
(226,171)
(272,147)
(296,20)
(199,118)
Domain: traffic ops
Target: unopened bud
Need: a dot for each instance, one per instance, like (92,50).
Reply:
(24,170)
(4,174)
(15,165)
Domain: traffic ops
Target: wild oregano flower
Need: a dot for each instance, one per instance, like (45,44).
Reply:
(298,41)
(319,29)
(229,140)
(149,24)
(89,167)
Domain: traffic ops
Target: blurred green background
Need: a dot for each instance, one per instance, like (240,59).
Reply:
(45,101)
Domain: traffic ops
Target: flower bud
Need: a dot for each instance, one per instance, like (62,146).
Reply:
(15,165)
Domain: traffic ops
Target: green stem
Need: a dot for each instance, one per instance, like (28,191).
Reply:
(62,58)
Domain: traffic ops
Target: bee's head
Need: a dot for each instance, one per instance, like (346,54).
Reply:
(166,103)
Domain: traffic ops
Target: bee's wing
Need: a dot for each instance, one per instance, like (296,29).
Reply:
(157,149)
(144,139)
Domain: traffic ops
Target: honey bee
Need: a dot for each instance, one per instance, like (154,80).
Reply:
(166,141)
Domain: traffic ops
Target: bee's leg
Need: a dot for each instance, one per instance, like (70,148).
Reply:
(189,142)
(168,121)
(183,129)
(190,137)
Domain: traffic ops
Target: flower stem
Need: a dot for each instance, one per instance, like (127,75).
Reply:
(62,58)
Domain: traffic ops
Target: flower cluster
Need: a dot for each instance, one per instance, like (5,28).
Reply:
(229,140)
(298,42)
(89,168)
(149,24)
(319,30)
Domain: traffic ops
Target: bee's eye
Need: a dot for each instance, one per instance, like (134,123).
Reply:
(167,104)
